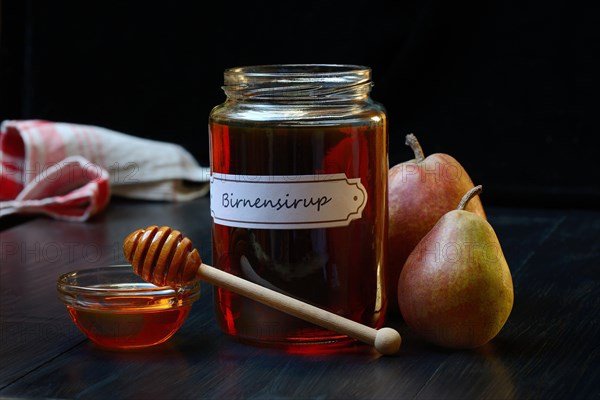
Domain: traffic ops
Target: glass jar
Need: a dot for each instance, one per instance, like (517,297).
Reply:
(298,157)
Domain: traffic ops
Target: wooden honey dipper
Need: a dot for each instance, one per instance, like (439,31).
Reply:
(162,256)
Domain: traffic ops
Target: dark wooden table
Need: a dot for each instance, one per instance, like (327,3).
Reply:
(549,347)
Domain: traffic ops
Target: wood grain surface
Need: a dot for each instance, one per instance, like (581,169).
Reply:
(548,348)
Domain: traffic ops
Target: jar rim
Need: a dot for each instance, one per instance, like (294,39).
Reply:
(298,69)
(299,82)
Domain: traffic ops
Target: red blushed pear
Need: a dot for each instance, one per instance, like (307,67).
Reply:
(420,192)
(456,289)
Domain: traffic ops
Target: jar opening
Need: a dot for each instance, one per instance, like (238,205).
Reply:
(298,81)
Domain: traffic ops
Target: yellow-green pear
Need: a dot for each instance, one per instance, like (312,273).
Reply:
(456,288)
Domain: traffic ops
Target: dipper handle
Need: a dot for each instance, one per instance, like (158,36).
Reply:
(385,340)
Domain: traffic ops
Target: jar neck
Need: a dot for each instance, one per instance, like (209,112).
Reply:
(298,83)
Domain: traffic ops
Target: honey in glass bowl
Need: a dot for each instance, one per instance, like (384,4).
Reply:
(116,309)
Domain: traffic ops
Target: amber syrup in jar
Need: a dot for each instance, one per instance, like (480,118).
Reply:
(299,198)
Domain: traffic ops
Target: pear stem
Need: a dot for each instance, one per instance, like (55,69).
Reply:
(468,196)
(411,140)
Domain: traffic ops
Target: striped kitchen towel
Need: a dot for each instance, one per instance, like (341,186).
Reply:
(69,171)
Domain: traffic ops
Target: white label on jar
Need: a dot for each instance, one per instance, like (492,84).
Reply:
(286,202)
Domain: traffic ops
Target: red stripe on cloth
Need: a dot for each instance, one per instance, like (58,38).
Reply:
(11,168)
(11,143)
(103,193)
(9,189)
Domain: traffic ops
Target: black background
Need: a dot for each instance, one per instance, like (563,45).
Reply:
(510,89)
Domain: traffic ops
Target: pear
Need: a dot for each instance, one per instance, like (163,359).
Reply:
(420,191)
(456,289)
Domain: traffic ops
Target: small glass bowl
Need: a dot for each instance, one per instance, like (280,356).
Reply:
(115,308)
